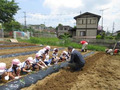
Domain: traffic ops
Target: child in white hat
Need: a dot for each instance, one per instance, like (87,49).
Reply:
(4,76)
(27,65)
(55,57)
(64,56)
(38,63)
(15,69)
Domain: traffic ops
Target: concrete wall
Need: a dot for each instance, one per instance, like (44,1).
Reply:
(90,32)
(101,42)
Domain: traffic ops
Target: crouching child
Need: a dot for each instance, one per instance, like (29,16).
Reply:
(15,69)
(27,65)
(4,75)
(55,57)
(64,56)
(38,63)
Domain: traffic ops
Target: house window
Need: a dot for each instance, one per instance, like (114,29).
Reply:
(82,21)
(93,21)
(60,28)
(89,21)
(65,28)
(79,21)
(82,33)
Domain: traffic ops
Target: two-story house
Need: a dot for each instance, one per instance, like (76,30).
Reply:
(86,25)
(62,30)
(40,27)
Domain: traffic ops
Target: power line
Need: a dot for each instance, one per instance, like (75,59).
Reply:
(102,16)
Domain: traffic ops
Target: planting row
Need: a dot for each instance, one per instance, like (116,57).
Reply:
(23,53)
(18,50)
(18,47)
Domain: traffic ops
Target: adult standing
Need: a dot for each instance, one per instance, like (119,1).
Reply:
(84,45)
(76,61)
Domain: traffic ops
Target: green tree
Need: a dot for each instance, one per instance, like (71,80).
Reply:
(118,36)
(102,35)
(7,10)
(65,37)
(58,26)
(13,25)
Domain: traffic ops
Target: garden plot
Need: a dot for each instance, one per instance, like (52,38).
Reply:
(101,72)
(24,57)
(32,78)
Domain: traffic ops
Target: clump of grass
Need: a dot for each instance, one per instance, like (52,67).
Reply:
(96,47)
(50,41)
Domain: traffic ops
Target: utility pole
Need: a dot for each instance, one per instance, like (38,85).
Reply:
(25,27)
(44,25)
(80,12)
(102,17)
(113,28)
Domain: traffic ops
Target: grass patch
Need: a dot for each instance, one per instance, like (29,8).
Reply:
(59,42)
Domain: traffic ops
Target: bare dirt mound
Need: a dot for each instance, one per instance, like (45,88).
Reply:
(101,72)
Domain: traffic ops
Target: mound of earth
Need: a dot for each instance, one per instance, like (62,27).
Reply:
(101,72)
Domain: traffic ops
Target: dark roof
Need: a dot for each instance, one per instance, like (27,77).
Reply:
(87,13)
(64,26)
(72,29)
(118,31)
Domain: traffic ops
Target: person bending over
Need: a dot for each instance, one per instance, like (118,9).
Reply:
(76,62)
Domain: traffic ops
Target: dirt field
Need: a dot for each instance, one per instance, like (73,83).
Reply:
(101,72)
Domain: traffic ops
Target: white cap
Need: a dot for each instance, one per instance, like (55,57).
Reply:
(47,47)
(2,66)
(55,49)
(30,59)
(65,52)
(38,54)
(16,62)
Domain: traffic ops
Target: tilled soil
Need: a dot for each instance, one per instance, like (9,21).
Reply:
(101,72)
(15,45)
(19,50)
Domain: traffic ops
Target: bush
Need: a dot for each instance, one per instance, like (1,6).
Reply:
(98,37)
(109,37)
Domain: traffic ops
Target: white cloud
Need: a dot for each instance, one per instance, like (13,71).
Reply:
(53,4)
(63,11)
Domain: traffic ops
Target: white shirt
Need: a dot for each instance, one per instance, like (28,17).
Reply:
(73,49)
(42,51)
(36,61)
(46,57)
(11,70)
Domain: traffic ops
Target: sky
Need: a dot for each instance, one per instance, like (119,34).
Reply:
(53,12)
